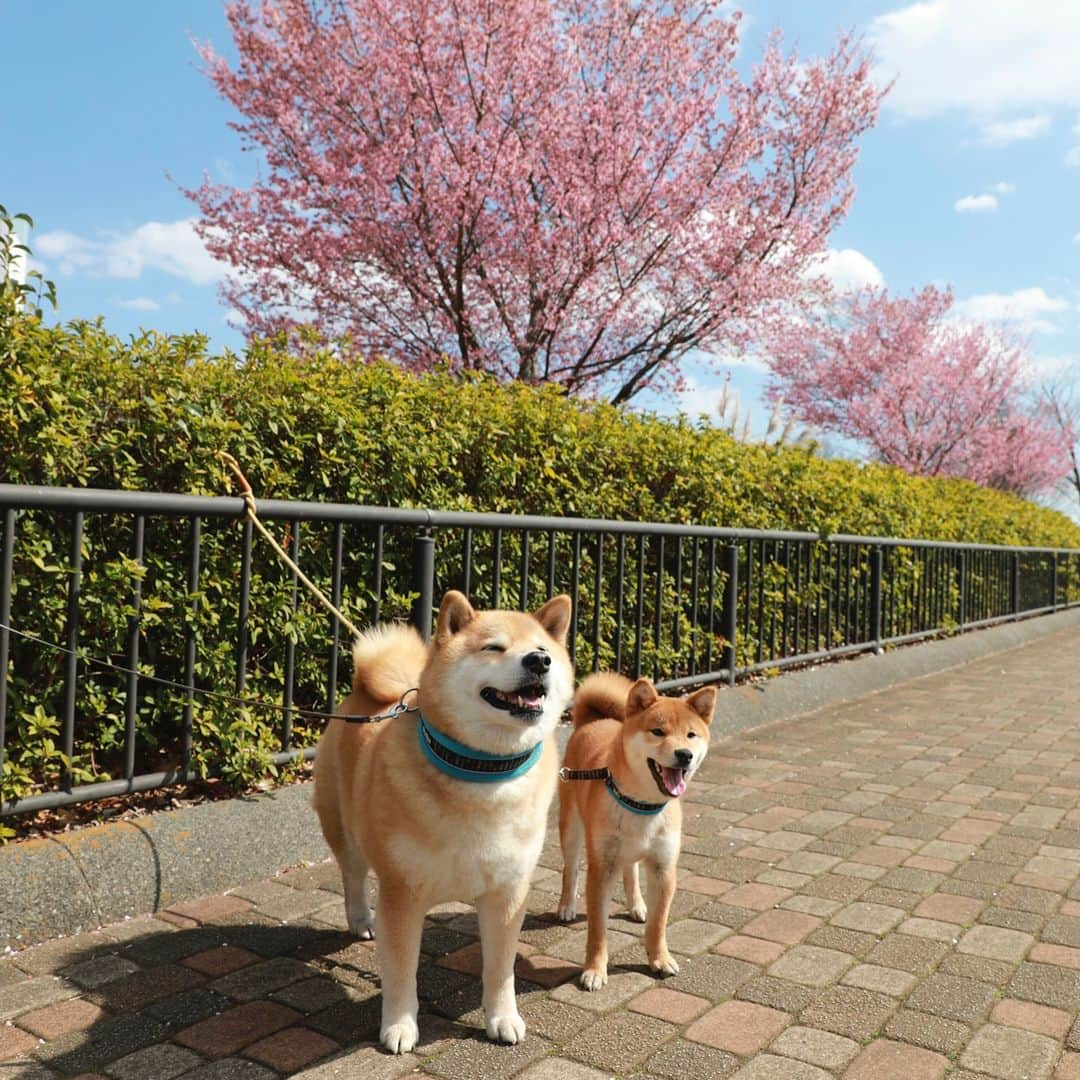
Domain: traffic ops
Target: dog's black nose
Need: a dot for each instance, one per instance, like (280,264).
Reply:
(684,757)
(537,662)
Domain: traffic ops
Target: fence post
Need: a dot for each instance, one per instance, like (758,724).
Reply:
(729,565)
(961,573)
(876,560)
(1054,582)
(423,581)
(1015,586)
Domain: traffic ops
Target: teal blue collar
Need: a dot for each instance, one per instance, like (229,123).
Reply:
(464,763)
(627,803)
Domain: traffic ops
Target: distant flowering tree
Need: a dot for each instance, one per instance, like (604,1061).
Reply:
(930,394)
(576,191)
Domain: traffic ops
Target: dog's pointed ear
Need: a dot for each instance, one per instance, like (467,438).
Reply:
(455,613)
(640,696)
(554,617)
(703,702)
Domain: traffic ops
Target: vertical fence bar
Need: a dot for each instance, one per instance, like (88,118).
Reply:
(7,555)
(658,627)
(131,711)
(496,569)
(620,596)
(729,614)
(1015,584)
(1053,603)
(71,673)
(876,567)
(523,582)
(190,642)
(640,630)
(598,598)
(694,569)
(335,626)
(377,584)
(290,644)
(961,588)
(423,582)
(575,586)
(466,563)
(551,552)
(676,621)
(243,607)
(748,610)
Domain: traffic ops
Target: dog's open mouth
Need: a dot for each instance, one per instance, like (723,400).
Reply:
(525,701)
(670,780)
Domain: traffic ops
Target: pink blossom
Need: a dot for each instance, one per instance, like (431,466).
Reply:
(577,191)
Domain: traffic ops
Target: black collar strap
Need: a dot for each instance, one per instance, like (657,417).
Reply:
(633,805)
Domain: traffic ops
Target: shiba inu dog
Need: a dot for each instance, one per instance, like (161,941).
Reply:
(639,751)
(448,802)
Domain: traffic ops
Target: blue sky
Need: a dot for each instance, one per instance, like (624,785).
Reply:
(970,177)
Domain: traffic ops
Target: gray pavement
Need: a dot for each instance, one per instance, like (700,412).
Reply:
(889,887)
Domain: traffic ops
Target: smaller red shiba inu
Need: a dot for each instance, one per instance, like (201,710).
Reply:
(638,751)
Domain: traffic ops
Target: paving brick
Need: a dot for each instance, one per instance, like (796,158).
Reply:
(209,909)
(1068,1067)
(21,997)
(139,989)
(53,1021)
(556,1020)
(368,1062)
(946,908)
(1008,1052)
(846,1010)
(621,986)
(815,1047)
(618,1041)
(917,955)
(879,979)
(1031,1017)
(561,1069)
(236,1028)
(885,1058)
(220,961)
(259,980)
(930,1032)
(693,936)
(930,928)
(85,1051)
(671,1005)
(953,997)
(682,1060)
(708,886)
(775,994)
(1047,985)
(756,897)
(771,1067)
(1059,955)
(811,965)
(751,949)
(291,1048)
(15,1043)
(161,1062)
(786,927)
(996,943)
(739,1027)
(868,918)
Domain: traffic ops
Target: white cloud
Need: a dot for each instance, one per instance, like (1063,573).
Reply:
(1003,132)
(975,204)
(171,247)
(849,269)
(986,57)
(1072,158)
(1027,309)
(139,303)
(1002,187)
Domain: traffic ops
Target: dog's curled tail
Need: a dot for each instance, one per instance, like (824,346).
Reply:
(387,661)
(601,697)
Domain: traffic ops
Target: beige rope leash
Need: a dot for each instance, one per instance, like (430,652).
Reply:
(252,515)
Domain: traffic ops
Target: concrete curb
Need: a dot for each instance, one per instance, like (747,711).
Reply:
(77,881)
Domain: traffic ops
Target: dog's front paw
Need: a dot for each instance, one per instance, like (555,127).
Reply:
(364,929)
(664,965)
(568,912)
(637,913)
(508,1028)
(593,979)
(401,1037)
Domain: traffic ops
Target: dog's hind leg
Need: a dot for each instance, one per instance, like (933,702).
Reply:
(635,903)
(397,943)
(599,885)
(572,841)
(660,883)
(354,876)
(500,916)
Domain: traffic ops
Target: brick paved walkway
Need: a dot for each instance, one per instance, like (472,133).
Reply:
(887,889)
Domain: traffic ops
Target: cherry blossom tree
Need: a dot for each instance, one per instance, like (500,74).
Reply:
(577,191)
(923,391)
(1062,401)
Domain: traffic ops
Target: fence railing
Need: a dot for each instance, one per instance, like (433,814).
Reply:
(147,639)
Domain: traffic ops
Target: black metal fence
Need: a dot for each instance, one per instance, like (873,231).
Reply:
(148,639)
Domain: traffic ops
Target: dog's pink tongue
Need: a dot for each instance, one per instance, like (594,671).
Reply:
(531,701)
(674,780)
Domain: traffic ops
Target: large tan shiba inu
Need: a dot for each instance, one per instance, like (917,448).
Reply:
(639,751)
(449,802)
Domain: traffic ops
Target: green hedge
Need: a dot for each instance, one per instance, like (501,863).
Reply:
(79,407)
